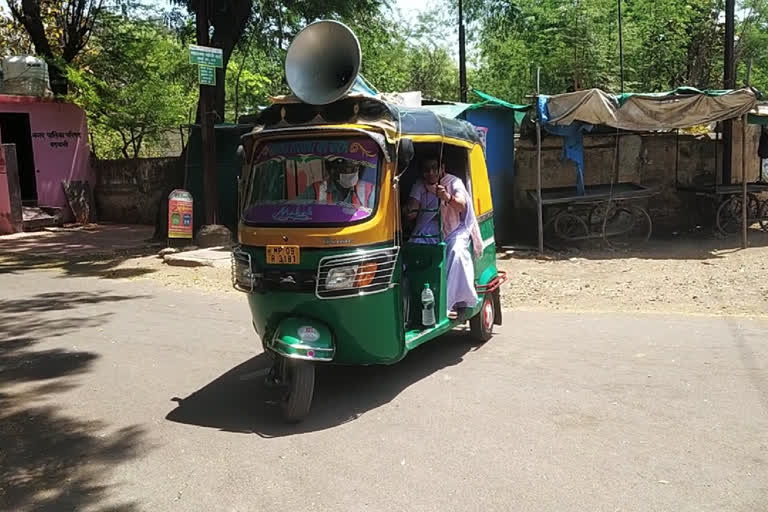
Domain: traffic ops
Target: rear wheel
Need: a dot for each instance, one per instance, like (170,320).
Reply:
(299,377)
(481,325)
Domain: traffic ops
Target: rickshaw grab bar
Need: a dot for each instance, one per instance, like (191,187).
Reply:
(493,284)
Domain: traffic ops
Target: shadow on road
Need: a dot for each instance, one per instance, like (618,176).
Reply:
(49,460)
(93,251)
(238,401)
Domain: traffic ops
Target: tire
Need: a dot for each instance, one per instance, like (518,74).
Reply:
(632,226)
(569,227)
(729,216)
(300,379)
(763,215)
(481,325)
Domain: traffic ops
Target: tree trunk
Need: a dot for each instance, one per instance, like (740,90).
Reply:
(230,21)
(58,79)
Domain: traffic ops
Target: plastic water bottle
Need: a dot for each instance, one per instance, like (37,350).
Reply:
(427,306)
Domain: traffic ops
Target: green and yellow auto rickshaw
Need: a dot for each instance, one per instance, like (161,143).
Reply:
(334,281)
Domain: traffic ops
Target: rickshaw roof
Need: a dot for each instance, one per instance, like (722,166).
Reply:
(397,121)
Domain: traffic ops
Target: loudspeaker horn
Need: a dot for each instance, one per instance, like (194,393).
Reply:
(323,62)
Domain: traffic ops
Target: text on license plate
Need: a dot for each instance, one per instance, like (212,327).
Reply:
(283,254)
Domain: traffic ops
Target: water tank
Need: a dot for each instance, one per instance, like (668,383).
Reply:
(25,75)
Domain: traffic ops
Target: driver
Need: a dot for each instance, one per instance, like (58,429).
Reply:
(343,185)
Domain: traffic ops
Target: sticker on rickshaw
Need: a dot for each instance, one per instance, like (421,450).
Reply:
(308,334)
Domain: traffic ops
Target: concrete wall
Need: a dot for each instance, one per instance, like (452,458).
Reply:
(129,191)
(59,144)
(648,159)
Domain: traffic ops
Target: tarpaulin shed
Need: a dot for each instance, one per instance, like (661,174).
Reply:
(682,108)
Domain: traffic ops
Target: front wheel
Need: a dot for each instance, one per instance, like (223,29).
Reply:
(299,377)
(481,325)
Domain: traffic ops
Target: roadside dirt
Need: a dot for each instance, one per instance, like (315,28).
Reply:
(208,279)
(682,275)
(686,274)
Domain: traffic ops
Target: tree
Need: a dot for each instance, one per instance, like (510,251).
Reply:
(253,77)
(667,43)
(270,25)
(13,37)
(403,55)
(59,31)
(135,85)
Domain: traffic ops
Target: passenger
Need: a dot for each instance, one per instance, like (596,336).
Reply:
(458,229)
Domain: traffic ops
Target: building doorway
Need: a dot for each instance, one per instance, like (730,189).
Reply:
(14,129)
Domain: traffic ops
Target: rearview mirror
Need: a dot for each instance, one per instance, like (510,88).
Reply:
(405,154)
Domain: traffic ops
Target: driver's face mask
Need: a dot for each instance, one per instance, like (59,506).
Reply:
(348,179)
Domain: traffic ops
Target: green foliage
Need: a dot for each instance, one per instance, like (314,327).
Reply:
(251,79)
(401,55)
(136,86)
(133,79)
(667,43)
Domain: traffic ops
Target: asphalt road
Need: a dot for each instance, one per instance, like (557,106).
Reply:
(126,396)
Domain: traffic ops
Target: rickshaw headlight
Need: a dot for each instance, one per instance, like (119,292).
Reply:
(341,277)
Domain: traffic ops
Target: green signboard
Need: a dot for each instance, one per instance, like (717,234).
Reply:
(206,56)
(206,75)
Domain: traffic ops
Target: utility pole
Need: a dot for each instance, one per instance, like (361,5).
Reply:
(621,47)
(729,82)
(206,124)
(462,57)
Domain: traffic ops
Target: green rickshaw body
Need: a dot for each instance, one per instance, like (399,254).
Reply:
(364,329)
(369,320)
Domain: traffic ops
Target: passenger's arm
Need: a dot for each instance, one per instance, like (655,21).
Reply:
(414,204)
(456,198)
(412,208)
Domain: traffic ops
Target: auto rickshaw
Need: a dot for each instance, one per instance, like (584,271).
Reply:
(332,282)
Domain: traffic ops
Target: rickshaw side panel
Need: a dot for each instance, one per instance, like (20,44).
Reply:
(481,187)
(485,265)
(425,263)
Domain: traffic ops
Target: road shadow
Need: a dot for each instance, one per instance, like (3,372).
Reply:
(238,401)
(90,251)
(48,459)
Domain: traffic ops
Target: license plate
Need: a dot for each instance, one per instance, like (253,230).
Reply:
(283,254)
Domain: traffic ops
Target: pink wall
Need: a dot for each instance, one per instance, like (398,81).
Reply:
(59,143)
(5,199)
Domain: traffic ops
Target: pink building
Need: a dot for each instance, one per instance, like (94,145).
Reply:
(51,139)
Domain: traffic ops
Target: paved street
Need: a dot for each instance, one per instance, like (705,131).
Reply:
(128,396)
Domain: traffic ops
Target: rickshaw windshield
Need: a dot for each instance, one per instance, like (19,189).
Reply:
(331,181)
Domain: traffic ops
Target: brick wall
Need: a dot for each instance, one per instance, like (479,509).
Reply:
(129,191)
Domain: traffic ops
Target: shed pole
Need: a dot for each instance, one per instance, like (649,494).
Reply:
(744,195)
(744,209)
(729,82)
(539,207)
